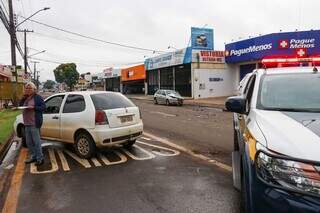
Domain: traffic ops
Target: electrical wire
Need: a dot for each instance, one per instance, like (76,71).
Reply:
(87,65)
(94,39)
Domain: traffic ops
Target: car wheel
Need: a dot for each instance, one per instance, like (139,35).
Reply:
(84,145)
(155,101)
(23,137)
(167,102)
(180,103)
(129,144)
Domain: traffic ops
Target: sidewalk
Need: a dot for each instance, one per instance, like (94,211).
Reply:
(217,102)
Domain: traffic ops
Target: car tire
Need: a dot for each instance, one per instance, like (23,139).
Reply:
(155,101)
(23,137)
(129,144)
(84,145)
(167,102)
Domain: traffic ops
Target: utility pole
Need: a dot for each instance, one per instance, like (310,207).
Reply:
(12,32)
(25,31)
(35,70)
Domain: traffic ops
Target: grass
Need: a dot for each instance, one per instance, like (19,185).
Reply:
(7,118)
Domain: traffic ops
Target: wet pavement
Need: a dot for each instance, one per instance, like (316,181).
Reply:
(150,177)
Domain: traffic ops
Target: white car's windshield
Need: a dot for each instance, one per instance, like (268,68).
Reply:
(169,92)
(290,92)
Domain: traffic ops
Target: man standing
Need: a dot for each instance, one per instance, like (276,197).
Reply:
(33,118)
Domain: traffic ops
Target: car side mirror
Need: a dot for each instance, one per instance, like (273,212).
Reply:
(236,104)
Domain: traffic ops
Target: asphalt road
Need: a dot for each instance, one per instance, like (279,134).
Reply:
(159,174)
(203,130)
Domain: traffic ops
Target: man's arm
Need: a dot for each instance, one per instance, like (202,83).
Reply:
(40,105)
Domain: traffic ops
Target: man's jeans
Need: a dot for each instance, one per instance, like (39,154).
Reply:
(33,142)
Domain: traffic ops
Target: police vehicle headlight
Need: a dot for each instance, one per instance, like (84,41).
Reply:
(289,174)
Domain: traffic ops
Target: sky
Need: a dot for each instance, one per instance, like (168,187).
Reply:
(152,24)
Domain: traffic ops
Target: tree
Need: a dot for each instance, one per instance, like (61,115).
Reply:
(67,73)
(49,84)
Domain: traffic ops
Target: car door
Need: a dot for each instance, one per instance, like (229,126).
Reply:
(51,118)
(162,96)
(74,116)
(248,92)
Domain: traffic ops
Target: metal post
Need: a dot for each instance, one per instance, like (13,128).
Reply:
(174,77)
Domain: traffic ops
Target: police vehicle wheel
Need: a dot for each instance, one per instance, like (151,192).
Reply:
(84,145)
(129,144)
(167,102)
(155,101)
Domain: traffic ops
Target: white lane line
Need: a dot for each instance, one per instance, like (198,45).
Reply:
(165,114)
(134,157)
(181,148)
(173,152)
(105,160)
(96,162)
(148,139)
(54,165)
(65,165)
(83,162)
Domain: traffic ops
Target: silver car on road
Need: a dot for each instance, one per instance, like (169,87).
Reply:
(168,97)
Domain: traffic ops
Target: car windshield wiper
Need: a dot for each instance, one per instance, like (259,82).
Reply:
(291,109)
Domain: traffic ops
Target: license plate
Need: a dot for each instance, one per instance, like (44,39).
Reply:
(125,119)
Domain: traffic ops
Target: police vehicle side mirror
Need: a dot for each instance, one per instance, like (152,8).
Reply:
(236,104)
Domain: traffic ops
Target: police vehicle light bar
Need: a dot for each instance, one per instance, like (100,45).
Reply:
(288,62)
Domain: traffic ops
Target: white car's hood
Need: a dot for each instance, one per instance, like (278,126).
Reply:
(295,134)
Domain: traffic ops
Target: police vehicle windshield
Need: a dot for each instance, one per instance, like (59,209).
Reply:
(290,92)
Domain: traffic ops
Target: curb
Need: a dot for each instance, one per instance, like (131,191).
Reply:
(5,146)
(218,106)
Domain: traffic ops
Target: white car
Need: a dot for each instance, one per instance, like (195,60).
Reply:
(89,120)
(276,157)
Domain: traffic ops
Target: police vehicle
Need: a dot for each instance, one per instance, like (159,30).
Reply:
(276,157)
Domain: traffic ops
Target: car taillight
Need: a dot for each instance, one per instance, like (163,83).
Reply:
(101,118)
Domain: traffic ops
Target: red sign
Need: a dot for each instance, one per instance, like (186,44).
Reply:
(284,44)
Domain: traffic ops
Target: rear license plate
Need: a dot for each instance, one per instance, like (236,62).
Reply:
(125,119)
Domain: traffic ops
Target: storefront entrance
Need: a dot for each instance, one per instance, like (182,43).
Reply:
(174,78)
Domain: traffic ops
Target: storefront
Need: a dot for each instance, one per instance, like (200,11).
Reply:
(245,56)
(112,79)
(197,71)
(170,71)
(134,80)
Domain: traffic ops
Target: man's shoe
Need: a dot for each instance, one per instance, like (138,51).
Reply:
(30,160)
(39,162)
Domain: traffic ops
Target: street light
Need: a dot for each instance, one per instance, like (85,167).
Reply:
(29,56)
(46,8)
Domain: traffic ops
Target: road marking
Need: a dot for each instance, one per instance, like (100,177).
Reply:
(174,152)
(11,202)
(96,162)
(105,160)
(54,165)
(149,154)
(83,162)
(183,149)
(148,139)
(64,162)
(165,114)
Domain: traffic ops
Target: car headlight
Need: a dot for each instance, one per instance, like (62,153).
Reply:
(289,173)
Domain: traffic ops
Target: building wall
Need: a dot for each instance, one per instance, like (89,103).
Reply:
(133,73)
(216,82)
